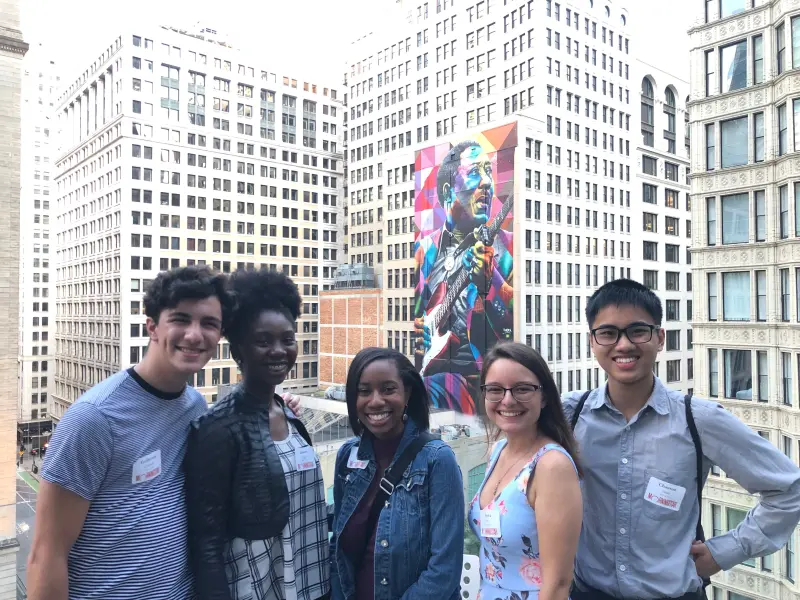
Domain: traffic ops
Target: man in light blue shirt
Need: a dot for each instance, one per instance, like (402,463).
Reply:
(640,489)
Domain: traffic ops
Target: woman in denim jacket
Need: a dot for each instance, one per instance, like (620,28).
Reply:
(415,549)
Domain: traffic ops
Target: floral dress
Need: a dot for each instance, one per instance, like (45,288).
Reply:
(510,568)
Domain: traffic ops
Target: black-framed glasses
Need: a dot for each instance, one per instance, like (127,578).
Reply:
(638,333)
(522,392)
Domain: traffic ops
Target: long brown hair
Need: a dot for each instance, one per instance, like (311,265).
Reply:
(552,421)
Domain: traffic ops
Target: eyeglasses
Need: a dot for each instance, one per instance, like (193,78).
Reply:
(638,333)
(522,392)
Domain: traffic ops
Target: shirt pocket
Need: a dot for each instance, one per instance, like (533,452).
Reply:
(662,498)
(411,493)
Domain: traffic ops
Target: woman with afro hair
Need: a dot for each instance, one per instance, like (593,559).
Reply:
(256,499)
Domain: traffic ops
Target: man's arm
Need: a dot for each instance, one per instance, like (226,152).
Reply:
(760,468)
(74,468)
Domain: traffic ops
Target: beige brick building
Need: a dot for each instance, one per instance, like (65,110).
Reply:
(12,50)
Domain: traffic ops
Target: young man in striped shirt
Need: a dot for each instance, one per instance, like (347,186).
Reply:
(111,515)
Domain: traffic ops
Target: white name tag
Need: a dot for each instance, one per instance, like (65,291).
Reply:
(664,494)
(147,468)
(305,458)
(490,523)
(353,462)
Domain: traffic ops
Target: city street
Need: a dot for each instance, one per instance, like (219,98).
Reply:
(27,487)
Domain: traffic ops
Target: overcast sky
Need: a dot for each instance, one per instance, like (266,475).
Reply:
(306,37)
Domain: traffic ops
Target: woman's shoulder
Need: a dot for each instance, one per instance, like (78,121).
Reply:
(554,458)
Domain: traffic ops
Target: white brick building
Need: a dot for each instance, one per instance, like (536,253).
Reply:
(745,121)
(37,346)
(178,149)
(459,67)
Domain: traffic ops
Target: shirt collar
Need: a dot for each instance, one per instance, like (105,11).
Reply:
(658,400)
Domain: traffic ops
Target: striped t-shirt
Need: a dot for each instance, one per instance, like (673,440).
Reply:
(121,446)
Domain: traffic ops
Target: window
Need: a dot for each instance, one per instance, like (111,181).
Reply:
(796,118)
(789,567)
(780,47)
(782,130)
(671,171)
(733,142)
(795,42)
(785,295)
(786,375)
(649,165)
(710,147)
(783,193)
(763,374)
(738,374)
(758,60)
(712,296)
(735,219)
(709,72)
(649,193)
(711,220)
(760,215)
(673,370)
(728,8)
(735,517)
(761,295)
(736,296)
(758,137)
(733,67)
(713,374)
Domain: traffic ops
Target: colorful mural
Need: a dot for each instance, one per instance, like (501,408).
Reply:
(464,251)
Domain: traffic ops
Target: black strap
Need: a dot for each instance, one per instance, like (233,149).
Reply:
(392,477)
(577,412)
(698,452)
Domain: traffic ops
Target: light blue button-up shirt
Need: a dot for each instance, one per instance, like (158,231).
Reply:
(634,548)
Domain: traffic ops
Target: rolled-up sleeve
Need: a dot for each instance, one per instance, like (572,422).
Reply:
(760,468)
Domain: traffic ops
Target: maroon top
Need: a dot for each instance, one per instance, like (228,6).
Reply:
(357,543)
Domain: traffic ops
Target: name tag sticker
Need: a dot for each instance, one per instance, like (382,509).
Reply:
(664,494)
(490,523)
(146,468)
(353,462)
(305,458)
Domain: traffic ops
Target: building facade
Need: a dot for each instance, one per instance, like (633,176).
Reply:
(457,68)
(745,121)
(662,196)
(12,52)
(37,346)
(178,149)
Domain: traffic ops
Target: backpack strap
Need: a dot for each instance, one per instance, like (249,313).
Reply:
(698,452)
(393,475)
(577,412)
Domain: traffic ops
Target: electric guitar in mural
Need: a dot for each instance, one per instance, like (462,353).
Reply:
(447,292)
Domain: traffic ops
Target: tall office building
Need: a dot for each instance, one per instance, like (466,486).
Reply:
(457,68)
(37,348)
(12,51)
(746,249)
(178,149)
(663,198)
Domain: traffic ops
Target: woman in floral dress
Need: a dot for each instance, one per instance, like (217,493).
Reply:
(527,512)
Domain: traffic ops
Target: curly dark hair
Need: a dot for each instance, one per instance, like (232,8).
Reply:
(172,287)
(254,292)
(418,402)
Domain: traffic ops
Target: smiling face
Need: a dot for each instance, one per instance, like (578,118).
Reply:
(509,415)
(626,362)
(472,189)
(381,400)
(185,336)
(269,349)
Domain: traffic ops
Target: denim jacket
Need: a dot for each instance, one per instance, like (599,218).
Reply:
(419,546)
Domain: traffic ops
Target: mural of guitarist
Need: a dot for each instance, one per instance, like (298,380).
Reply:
(464,293)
